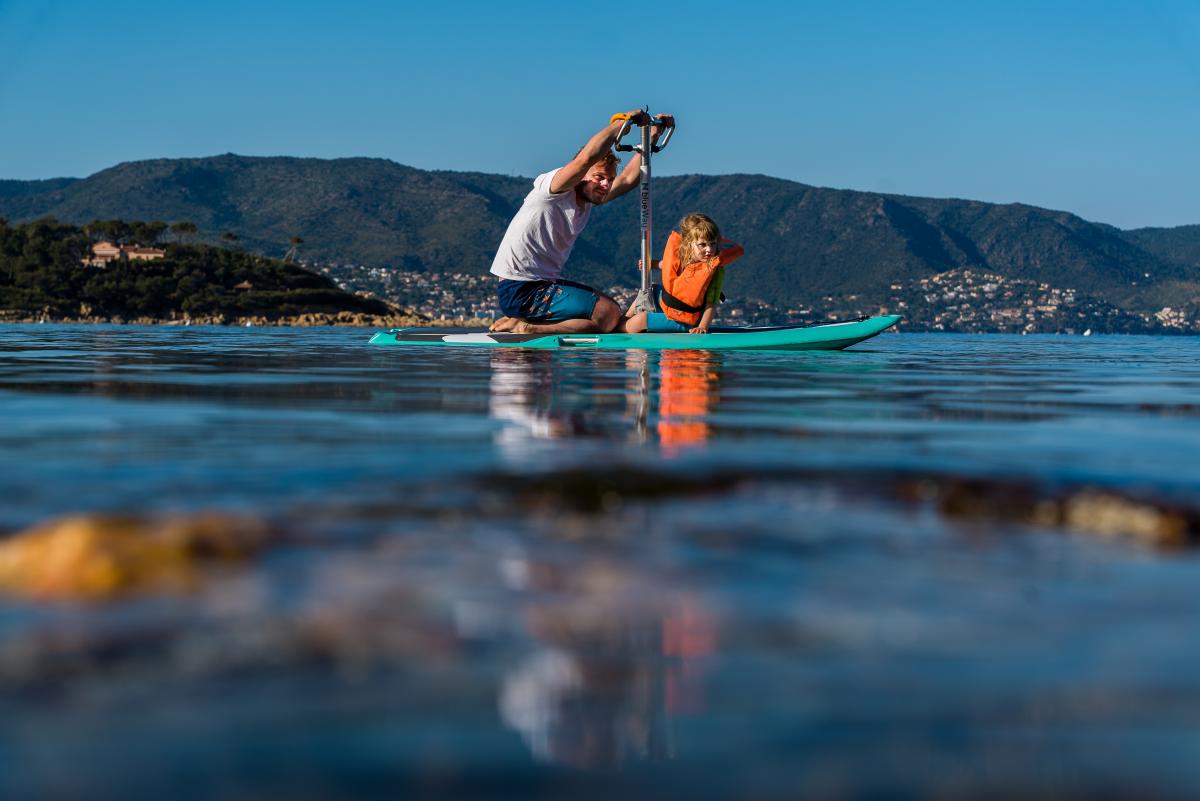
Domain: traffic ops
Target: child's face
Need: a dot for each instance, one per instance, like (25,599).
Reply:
(704,249)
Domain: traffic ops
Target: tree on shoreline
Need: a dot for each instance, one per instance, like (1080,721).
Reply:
(147,233)
(294,250)
(116,231)
(183,230)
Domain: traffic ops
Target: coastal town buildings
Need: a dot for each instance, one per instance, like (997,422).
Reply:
(104,253)
(963,300)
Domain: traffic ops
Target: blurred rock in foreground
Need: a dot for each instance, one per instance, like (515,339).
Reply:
(99,557)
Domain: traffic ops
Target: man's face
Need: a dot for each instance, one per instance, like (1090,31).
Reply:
(595,185)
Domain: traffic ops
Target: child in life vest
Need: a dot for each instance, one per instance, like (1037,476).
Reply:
(692,276)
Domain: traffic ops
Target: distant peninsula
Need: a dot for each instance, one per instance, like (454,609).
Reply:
(105,272)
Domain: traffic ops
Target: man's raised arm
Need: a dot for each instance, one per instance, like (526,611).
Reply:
(574,170)
(629,176)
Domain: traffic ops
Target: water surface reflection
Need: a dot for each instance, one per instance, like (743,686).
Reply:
(665,398)
(612,666)
(552,575)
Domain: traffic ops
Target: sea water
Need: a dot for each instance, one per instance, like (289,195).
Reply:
(507,573)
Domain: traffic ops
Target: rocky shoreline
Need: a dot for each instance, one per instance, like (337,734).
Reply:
(310,319)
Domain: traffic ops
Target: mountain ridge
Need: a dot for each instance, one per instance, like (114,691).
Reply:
(800,239)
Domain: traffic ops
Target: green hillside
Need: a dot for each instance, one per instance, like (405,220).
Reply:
(41,275)
(801,241)
(1180,244)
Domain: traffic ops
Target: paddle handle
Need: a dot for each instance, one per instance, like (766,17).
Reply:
(621,134)
(663,139)
(665,136)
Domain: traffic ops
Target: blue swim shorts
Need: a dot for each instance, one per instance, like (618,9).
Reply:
(546,301)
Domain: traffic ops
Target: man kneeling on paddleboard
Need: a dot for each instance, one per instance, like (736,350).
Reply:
(533,297)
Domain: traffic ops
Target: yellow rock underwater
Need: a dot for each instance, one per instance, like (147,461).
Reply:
(100,557)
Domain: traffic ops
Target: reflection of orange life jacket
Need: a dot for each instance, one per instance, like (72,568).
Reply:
(687,388)
(684,286)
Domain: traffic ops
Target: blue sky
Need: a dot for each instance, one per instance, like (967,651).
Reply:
(1091,107)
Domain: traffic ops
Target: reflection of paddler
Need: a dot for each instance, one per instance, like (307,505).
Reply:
(523,395)
(617,654)
(637,363)
(689,633)
(687,388)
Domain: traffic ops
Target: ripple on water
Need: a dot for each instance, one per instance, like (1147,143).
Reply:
(964,562)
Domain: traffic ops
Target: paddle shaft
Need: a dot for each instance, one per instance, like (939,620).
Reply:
(644,218)
(644,302)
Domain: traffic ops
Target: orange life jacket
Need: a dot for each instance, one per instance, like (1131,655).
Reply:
(684,286)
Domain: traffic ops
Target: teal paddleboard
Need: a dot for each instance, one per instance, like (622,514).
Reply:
(823,336)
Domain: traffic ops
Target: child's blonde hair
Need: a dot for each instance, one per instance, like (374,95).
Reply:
(693,228)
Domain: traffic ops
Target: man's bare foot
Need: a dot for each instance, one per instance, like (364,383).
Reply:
(505,324)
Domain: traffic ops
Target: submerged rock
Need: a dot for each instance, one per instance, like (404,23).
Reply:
(1106,514)
(98,557)
(1083,510)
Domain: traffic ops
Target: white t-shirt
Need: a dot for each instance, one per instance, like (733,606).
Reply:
(541,235)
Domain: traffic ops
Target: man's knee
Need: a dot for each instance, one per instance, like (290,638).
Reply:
(606,313)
